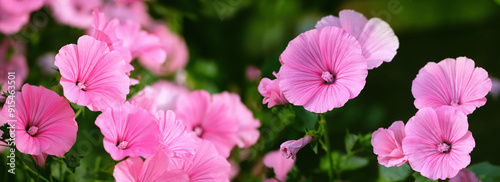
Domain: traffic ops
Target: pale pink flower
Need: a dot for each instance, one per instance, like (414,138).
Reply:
(378,42)
(133,169)
(387,144)
(451,82)
(252,73)
(18,7)
(465,175)
(162,95)
(270,90)
(175,140)
(92,75)
(12,23)
(45,123)
(205,165)
(222,120)
(134,11)
(128,131)
(322,69)
(438,142)
(75,13)
(495,87)
(16,64)
(46,63)
(290,148)
(174,46)
(280,165)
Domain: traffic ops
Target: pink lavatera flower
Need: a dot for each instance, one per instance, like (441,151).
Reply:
(17,7)
(134,11)
(92,75)
(387,144)
(222,119)
(280,165)
(290,148)
(270,90)
(465,175)
(15,63)
(322,69)
(452,82)
(205,165)
(378,42)
(134,169)
(174,46)
(45,123)
(252,73)
(129,131)
(12,23)
(438,142)
(162,95)
(75,13)
(175,139)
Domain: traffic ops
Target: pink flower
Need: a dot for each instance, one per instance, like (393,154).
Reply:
(222,120)
(176,141)
(12,23)
(438,142)
(451,82)
(322,69)
(134,11)
(270,90)
(162,95)
(465,175)
(205,165)
(495,87)
(280,165)
(92,75)
(175,47)
(377,40)
(290,148)
(20,6)
(124,135)
(16,64)
(45,123)
(252,73)
(75,13)
(387,144)
(153,169)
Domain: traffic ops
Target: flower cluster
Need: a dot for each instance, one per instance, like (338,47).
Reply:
(436,141)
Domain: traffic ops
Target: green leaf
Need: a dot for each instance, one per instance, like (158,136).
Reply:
(72,160)
(419,178)
(303,119)
(486,172)
(365,140)
(350,141)
(352,163)
(393,173)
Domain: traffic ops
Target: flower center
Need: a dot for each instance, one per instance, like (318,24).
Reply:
(198,130)
(455,103)
(81,85)
(328,77)
(32,130)
(444,147)
(122,145)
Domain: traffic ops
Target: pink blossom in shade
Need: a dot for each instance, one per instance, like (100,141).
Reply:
(46,63)
(378,42)
(92,75)
(252,73)
(12,63)
(495,87)
(322,69)
(18,7)
(465,175)
(162,95)
(290,148)
(75,13)
(12,23)
(451,82)
(205,165)
(134,11)
(133,169)
(124,135)
(45,122)
(438,142)
(387,144)
(175,139)
(173,45)
(270,90)
(222,120)
(280,165)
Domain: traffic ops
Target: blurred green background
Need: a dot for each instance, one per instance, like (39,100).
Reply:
(226,36)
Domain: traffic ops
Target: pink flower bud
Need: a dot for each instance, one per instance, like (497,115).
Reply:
(290,148)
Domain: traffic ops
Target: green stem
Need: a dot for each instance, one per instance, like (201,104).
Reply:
(324,127)
(78,112)
(61,172)
(35,173)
